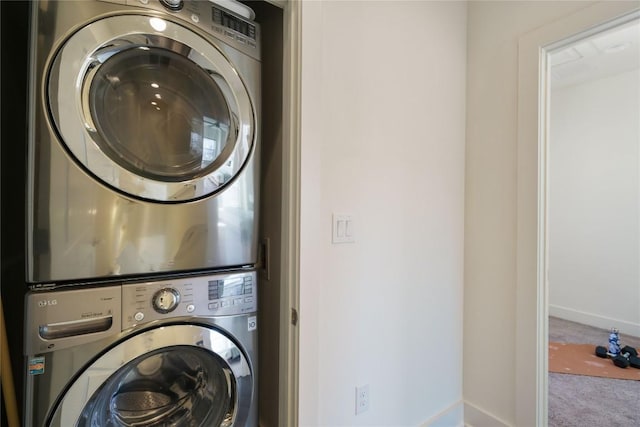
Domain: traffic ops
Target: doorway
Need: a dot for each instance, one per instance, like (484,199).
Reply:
(593,197)
(533,195)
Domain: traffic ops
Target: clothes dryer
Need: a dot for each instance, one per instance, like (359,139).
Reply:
(144,138)
(179,352)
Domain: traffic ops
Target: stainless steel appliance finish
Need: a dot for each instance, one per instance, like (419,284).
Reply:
(144,139)
(179,352)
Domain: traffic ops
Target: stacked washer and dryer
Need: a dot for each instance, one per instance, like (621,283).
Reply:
(142,214)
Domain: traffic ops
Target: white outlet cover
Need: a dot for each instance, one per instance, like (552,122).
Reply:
(362,399)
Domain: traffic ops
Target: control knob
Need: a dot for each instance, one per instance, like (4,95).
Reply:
(172,4)
(165,300)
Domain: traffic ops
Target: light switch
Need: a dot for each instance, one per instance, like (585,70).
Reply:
(342,229)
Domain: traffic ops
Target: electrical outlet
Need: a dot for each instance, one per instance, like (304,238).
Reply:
(362,399)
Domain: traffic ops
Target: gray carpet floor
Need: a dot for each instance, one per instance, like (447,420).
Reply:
(581,401)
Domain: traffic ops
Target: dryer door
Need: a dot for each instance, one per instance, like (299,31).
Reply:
(150,108)
(177,375)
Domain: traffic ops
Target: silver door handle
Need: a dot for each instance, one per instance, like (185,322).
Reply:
(73,328)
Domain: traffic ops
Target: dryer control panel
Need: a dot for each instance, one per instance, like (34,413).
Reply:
(217,295)
(234,27)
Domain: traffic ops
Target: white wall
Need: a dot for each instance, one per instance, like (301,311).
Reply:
(490,370)
(594,233)
(383,113)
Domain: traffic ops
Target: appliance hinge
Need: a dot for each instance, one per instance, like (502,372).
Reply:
(294,316)
(264,258)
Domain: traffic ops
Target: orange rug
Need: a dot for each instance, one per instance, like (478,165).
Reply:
(580,359)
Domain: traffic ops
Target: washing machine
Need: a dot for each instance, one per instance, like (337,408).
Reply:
(143,138)
(179,352)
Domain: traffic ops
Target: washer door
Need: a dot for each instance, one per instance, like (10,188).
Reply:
(177,375)
(150,108)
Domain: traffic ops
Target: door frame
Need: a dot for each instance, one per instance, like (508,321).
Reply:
(532,197)
(290,219)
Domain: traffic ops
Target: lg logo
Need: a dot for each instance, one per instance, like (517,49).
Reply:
(47,302)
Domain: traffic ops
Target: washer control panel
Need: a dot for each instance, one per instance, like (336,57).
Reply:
(216,295)
(71,316)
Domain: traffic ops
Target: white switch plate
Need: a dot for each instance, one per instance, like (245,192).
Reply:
(342,229)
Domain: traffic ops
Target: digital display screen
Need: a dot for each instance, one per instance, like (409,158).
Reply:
(221,17)
(226,288)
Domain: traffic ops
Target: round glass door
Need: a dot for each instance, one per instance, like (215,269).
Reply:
(150,108)
(171,375)
(179,386)
(159,115)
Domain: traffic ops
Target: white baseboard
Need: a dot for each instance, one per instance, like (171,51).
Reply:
(476,417)
(595,320)
(453,416)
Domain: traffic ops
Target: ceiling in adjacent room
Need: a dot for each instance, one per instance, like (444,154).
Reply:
(604,54)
